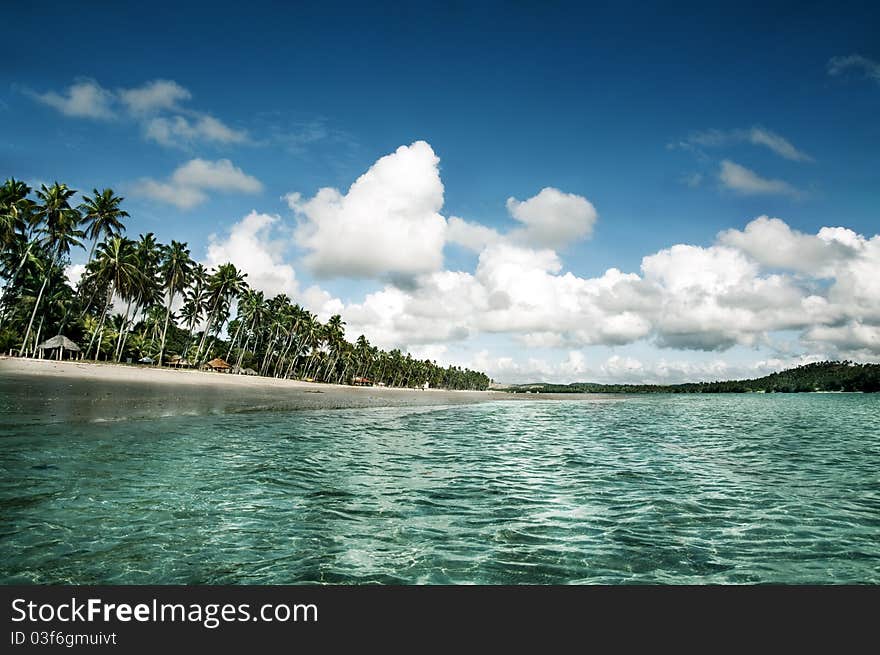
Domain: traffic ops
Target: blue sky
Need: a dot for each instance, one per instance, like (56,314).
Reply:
(634,109)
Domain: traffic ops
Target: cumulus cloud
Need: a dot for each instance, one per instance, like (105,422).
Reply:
(745,289)
(771,242)
(83,99)
(743,180)
(553,219)
(74,274)
(386,224)
(256,246)
(736,292)
(574,366)
(156,106)
(472,236)
(188,185)
(869,68)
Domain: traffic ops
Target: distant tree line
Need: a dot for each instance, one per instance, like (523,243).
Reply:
(821,376)
(268,336)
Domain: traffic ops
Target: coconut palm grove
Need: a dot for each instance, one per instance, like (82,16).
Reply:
(144,301)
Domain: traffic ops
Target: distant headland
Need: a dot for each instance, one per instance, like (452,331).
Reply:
(818,377)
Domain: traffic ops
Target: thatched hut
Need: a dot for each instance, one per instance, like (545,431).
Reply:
(218,364)
(178,362)
(58,344)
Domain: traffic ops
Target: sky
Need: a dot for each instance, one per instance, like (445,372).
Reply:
(610,192)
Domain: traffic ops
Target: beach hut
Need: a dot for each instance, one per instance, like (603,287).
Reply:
(362,382)
(218,364)
(178,362)
(58,343)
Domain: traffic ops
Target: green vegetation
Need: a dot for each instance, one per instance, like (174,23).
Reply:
(823,376)
(269,336)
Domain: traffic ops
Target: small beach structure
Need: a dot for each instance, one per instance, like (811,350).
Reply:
(219,365)
(178,361)
(58,344)
(362,382)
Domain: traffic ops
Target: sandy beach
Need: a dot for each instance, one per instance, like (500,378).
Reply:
(77,391)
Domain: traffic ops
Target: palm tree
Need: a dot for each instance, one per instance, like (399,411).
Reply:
(335,338)
(224,285)
(144,291)
(252,310)
(18,219)
(17,215)
(364,352)
(116,262)
(176,269)
(60,233)
(103,215)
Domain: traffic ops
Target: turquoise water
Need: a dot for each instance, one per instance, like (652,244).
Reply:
(647,489)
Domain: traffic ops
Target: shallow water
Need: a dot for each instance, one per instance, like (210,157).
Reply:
(644,489)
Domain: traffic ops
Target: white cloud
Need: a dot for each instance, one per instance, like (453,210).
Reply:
(188,184)
(552,218)
(180,131)
(532,369)
(74,274)
(83,99)
(220,175)
(735,292)
(756,135)
(772,243)
(745,181)
(154,96)
(472,236)
(852,337)
(746,289)
(868,67)
(256,247)
(180,197)
(156,106)
(776,143)
(388,223)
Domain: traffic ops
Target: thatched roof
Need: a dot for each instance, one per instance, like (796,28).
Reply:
(218,363)
(59,342)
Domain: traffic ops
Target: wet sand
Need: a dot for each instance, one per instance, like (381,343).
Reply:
(86,391)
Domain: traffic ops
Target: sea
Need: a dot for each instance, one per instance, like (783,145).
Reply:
(640,489)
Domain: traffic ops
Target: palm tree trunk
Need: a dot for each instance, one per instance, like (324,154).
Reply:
(243,351)
(165,328)
(126,332)
(100,328)
(39,330)
(233,342)
(205,333)
(39,298)
(118,351)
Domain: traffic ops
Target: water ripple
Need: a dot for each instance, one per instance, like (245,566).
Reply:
(660,489)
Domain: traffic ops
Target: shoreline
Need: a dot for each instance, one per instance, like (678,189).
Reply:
(96,391)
